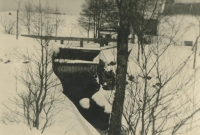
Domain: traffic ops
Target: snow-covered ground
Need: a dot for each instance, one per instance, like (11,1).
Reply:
(69,121)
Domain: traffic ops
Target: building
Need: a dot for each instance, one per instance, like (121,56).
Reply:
(181,22)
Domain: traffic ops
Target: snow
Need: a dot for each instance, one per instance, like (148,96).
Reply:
(102,99)
(69,121)
(18,129)
(85,103)
(75,61)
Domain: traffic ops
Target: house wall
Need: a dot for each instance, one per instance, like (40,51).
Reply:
(186,1)
(179,28)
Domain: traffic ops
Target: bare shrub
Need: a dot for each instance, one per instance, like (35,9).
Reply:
(8,23)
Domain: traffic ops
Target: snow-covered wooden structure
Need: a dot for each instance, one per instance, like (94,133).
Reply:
(77,70)
(73,60)
(182,19)
(76,67)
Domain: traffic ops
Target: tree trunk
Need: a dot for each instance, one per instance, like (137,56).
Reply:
(36,122)
(94,17)
(195,55)
(88,34)
(122,59)
(94,28)
(17,32)
(28,30)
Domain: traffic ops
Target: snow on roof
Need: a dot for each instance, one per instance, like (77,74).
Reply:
(75,61)
(182,9)
(186,1)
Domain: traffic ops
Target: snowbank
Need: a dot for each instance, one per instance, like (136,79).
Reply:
(85,103)
(68,121)
(102,98)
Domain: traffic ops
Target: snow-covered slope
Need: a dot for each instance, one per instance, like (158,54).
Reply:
(68,121)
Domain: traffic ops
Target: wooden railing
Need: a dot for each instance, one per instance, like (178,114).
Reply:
(62,39)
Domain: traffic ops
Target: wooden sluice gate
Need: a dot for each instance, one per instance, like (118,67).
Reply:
(84,64)
(79,81)
(73,68)
(77,71)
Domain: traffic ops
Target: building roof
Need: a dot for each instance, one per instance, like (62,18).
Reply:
(182,9)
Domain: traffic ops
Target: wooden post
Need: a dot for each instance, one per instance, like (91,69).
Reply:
(17,25)
(61,41)
(101,43)
(81,43)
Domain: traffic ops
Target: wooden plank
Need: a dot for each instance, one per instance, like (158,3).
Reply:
(106,30)
(71,38)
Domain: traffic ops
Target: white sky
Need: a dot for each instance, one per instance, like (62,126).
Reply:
(71,7)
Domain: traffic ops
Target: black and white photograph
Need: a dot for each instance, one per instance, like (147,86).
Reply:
(99,67)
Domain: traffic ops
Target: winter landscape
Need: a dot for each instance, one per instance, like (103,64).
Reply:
(38,94)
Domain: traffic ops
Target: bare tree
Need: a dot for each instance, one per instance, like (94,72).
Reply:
(195,46)
(39,102)
(97,15)
(58,20)
(154,93)
(89,16)
(86,24)
(26,15)
(8,23)
(150,96)
(122,62)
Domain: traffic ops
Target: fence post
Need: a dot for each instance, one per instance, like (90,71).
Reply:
(101,43)
(81,43)
(61,41)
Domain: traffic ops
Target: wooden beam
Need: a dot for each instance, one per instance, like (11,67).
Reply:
(71,38)
(106,30)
